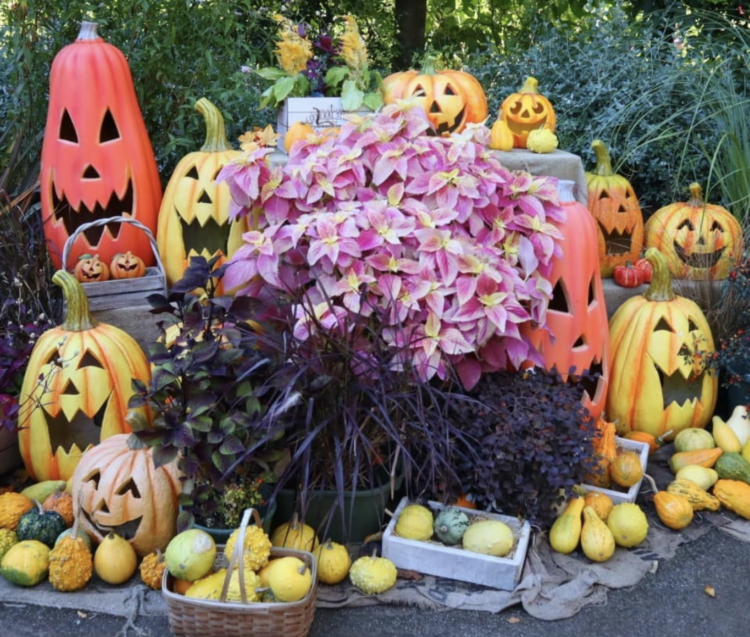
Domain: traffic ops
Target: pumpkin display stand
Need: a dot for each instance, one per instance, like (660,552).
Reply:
(452,562)
(121,293)
(190,617)
(618,497)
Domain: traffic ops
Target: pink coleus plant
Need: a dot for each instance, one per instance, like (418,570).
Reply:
(431,237)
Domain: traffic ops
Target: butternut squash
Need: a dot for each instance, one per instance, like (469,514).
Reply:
(566,531)
(735,496)
(701,457)
(699,499)
(597,541)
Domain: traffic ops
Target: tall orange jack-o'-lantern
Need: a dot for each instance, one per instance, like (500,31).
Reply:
(577,333)
(97,160)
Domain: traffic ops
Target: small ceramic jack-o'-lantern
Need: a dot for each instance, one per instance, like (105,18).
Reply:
(97,160)
(86,370)
(658,378)
(127,266)
(119,489)
(451,99)
(700,240)
(619,219)
(90,269)
(526,111)
(194,215)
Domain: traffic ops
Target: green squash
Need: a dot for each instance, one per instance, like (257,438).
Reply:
(41,525)
(450,525)
(26,563)
(732,466)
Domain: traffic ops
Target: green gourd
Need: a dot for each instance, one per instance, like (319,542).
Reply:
(26,563)
(450,525)
(41,525)
(732,466)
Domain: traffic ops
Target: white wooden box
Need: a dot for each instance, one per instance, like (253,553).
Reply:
(453,562)
(319,112)
(623,444)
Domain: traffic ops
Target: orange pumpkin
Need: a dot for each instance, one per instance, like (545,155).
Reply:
(119,489)
(700,240)
(296,132)
(641,436)
(626,469)
(127,266)
(619,220)
(577,333)
(91,269)
(526,111)
(451,99)
(87,369)
(97,160)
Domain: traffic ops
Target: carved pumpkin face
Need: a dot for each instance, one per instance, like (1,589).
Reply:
(577,333)
(90,269)
(451,99)
(87,371)
(97,160)
(700,240)
(119,489)
(127,266)
(526,111)
(194,215)
(619,219)
(657,379)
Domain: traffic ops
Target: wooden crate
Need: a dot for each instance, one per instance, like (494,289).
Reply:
(453,562)
(623,444)
(319,112)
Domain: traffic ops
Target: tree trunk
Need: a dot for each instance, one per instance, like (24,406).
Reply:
(411,19)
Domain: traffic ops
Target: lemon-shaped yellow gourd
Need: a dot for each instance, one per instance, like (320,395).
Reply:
(290,579)
(264,573)
(501,137)
(415,523)
(333,562)
(372,574)
(628,524)
(489,537)
(115,560)
(295,535)
(541,140)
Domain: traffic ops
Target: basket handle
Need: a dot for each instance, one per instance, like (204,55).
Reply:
(238,560)
(102,222)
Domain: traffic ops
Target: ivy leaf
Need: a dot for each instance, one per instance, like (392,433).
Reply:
(351,96)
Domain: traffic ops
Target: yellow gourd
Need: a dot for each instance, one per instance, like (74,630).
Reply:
(257,547)
(699,499)
(12,508)
(626,469)
(735,496)
(7,539)
(745,452)
(70,564)
(704,477)
(415,523)
(501,137)
(290,579)
(597,541)
(333,562)
(600,502)
(295,535)
(26,563)
(372,574)
(725,437)
(541,140)
(115,560)
(628,524)
(566,530)
(489,537)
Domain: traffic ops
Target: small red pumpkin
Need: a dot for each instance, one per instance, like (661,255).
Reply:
(91,269)
(127,266)
(626,276)
(644,266)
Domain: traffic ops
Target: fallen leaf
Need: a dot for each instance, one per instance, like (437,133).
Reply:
(514,620)
(654,566)
(82,615)
(709,590)
(409,575)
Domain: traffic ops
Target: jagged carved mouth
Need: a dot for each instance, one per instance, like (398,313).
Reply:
(126,530)
(445,127)
(74,218)
(700,260)
(521,128)
(81,430)
(615,243)
(675,388)
(591,380)
(212,236)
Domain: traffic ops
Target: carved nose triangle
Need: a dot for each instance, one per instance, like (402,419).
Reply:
(91,173)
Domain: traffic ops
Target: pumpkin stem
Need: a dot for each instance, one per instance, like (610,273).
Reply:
(660,288)
(696,196)
(88,32)
(429,65)
(530,85)
(603,160)
(216,136)
(77,317)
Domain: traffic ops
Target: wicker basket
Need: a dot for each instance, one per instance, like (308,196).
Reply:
(117,293)
(207,618)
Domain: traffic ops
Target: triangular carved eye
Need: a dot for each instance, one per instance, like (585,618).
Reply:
(449,90)
(686,223)
(216,174)
(663,326)
(604,194)
(89,360)
(68,129)
(559,301)
(716,226)
(419,91)
(109,131)
(580,342)
(129,487)
(692,327)
(94,477)
(192,173)
(592,291)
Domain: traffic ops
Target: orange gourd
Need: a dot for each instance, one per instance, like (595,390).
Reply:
(97,160)
(641,436)
(451,99)
(600,502)
(702,457)
(626,469)
(604,444)
(527,110)
(619,220)
(465,502)
(577,333)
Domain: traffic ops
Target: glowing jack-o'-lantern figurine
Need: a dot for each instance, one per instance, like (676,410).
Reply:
(526,111)
(658,377)
(194,215)
(699,240)
(577,334)
(97,160)
(76,388)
